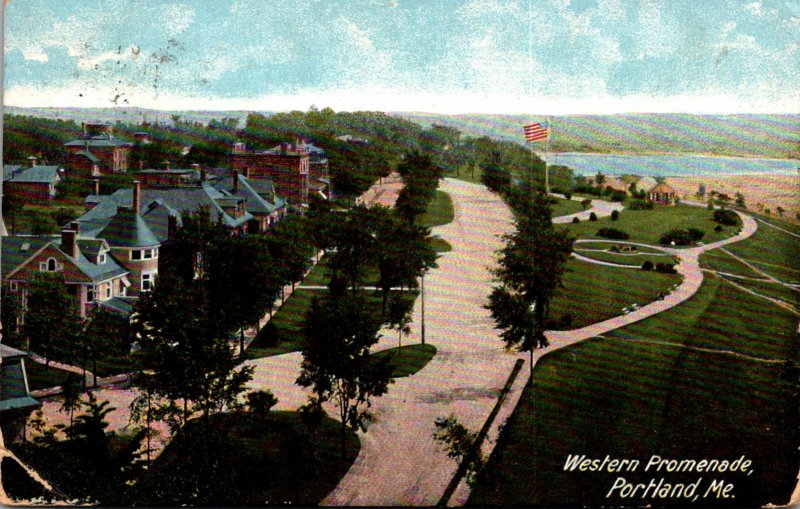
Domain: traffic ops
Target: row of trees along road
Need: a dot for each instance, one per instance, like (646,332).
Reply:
(341,328)
(530,270)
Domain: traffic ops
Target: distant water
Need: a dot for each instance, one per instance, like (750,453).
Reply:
(671,166)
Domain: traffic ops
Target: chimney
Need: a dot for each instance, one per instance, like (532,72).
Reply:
(96,186)
(76,227)
(235,181)
(137,199)
(32,161)
(69,242)
(85,131)
(172,226)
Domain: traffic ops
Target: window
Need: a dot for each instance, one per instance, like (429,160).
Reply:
(90,294)
(14,286)
(136,254)
(148,253)
(108,291)
(148,279)
(49,266)
(101,259)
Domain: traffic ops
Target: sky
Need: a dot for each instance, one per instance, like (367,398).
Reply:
(441,56)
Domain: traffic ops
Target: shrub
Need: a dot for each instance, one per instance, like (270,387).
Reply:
(567,195)
(614,215)
(592,216)
(612,233)
(696,234)
(566,320)
(679,237)
(259,403)
(647,265)
(726,217)
(640,205)
(718,228)
(710,206)
(613,249)
(576,220)
(666,268)
(618,196)
(585,203)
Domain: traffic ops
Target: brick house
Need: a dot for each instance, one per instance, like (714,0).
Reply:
(260,198)
(91,272)
(287,167)
(97,152)
(32,184)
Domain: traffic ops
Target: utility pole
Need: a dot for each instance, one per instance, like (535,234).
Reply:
(423,309)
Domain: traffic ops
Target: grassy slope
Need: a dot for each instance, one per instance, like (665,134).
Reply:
(629,399)
(439,212)
(593,293)
(264,458)
(565,207)
(647,225)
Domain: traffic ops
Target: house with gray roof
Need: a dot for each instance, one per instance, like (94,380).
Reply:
(91,272)
(32,183)
(97,152)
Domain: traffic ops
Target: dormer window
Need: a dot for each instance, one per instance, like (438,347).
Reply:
(101,259)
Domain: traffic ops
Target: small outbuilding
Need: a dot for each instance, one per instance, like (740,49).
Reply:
(662,193)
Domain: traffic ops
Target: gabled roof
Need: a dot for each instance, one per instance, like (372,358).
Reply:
(18,249)
(88,155)
(256,202)
(92,247)
(128,229)
(122,305)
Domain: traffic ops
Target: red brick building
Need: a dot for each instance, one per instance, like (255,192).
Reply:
(287,165)
(97,152)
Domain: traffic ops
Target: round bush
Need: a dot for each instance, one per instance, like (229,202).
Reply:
(269,335)
(612,233)
(679,237)
(640,205)
(696,234)
(592,216)
(614,215)
(726,217)
(647,265)
(718,228)
(576,220)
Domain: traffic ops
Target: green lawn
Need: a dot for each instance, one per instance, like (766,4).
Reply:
(609,244)
(634,260)
(647,226)
(565,207)
(440,211)
(772,251)
(290,317)
(275,461)
(723,262)
(409,359)
(593,293)
(773,290)
(631,400)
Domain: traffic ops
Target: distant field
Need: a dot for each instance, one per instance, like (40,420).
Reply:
(646,226)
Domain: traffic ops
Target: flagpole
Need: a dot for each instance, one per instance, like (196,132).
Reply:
(547,156)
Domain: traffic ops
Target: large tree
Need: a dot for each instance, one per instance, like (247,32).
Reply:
(106,334)
(51,323)
(530,270)
(495,176)
(186,358)
(336,360)
(353,238)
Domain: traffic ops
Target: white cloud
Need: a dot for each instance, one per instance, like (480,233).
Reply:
(177,17)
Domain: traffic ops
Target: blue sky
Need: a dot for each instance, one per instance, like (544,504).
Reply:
(448,56)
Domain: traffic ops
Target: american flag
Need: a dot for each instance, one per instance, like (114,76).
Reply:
(537,131)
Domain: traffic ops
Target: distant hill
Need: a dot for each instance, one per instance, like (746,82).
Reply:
(752,135)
